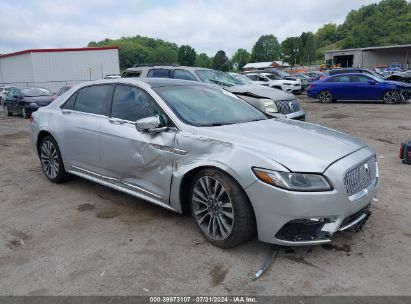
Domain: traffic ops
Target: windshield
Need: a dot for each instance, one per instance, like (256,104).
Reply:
(217,77)
(377,78)
(205,106)
(283,74)
(272,76)
(242,79)
(35,92)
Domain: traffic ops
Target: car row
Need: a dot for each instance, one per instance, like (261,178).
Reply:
(195,146)
(270,100)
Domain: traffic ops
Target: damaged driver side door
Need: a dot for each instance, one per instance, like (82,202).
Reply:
(139,162)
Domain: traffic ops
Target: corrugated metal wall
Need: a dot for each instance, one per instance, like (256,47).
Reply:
(53,70)
(386,57)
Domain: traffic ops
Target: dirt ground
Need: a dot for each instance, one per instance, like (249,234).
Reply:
(80,238)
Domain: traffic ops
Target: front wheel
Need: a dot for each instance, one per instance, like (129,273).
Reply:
(325,97)
(51,161)
(391,97)
(221,209)
(25,113)
(7,110)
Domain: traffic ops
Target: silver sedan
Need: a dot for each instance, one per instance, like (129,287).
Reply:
(191,147)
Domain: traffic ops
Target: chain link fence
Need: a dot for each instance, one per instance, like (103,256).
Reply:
(53,86)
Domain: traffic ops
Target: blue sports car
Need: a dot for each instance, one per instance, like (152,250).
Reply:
(359,86)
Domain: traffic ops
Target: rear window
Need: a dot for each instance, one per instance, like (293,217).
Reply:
(159,73)
(91,99)
(132,74)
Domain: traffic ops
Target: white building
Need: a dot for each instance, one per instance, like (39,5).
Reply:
(265,65)
(371,57)
(53,68)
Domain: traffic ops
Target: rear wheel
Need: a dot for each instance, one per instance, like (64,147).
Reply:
(325,97)
(391,97)
(221,209)
(25,113)
(7,110)
(51,161)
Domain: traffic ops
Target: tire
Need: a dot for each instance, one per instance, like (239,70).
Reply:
(221,209)
(391,97)
(325,97)
(25,114)
(51,161)
(8,113)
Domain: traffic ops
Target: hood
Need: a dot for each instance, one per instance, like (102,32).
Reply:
(299,146)
(261,91)
(398,83)
(40,100)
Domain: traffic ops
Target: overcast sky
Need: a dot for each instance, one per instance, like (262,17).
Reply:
(207,25)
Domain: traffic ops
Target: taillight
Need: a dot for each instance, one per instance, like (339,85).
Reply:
(402,146)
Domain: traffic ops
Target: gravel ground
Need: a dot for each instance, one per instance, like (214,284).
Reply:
(80,238)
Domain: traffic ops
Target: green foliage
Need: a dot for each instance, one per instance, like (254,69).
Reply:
(327,34)
(203,61)
(266,48)
(240,58)
(220,61)
(385,23)
(292,49)
(162,55)
(186,55)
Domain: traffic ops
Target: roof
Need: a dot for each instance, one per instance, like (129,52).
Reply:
(372,48)
(266,64)
(166,66)
(59,50)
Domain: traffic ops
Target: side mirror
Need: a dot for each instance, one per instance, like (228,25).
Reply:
(16,96)
(151,124)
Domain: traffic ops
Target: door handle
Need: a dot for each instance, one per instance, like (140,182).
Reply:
(116,121)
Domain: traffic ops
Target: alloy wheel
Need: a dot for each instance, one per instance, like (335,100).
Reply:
(391,97)
(49,159)
(212,208)
(325,96)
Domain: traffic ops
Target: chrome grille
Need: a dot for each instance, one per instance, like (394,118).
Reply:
(288,106)
(361,176)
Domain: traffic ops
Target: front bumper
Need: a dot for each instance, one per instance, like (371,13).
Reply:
(325,212)
(299,115)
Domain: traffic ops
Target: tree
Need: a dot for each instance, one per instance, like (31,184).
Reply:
(308,47)
(240,58)
(266,48)
(292,49)
(220,61)
(202,60)
(326,35)
(186,55)
(162,55)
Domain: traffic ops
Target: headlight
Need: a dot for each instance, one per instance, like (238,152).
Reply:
(269,105)
(293,181)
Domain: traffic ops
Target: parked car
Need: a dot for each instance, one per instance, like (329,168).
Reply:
(403,77)
(305,80)
(332,72)
(358,86)
(186,145)
(271,101)
(273,81)
(25,101)
(314,75)
(3,92)
(62,90)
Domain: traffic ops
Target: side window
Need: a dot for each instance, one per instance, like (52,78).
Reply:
(132,74)
(130,103)
(252,77)
(360,79)
(262,78)
(68,105)
(340,79)
(91,99)
(181,74)
(159,73)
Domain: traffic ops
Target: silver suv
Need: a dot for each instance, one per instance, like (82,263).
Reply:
(271,101)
